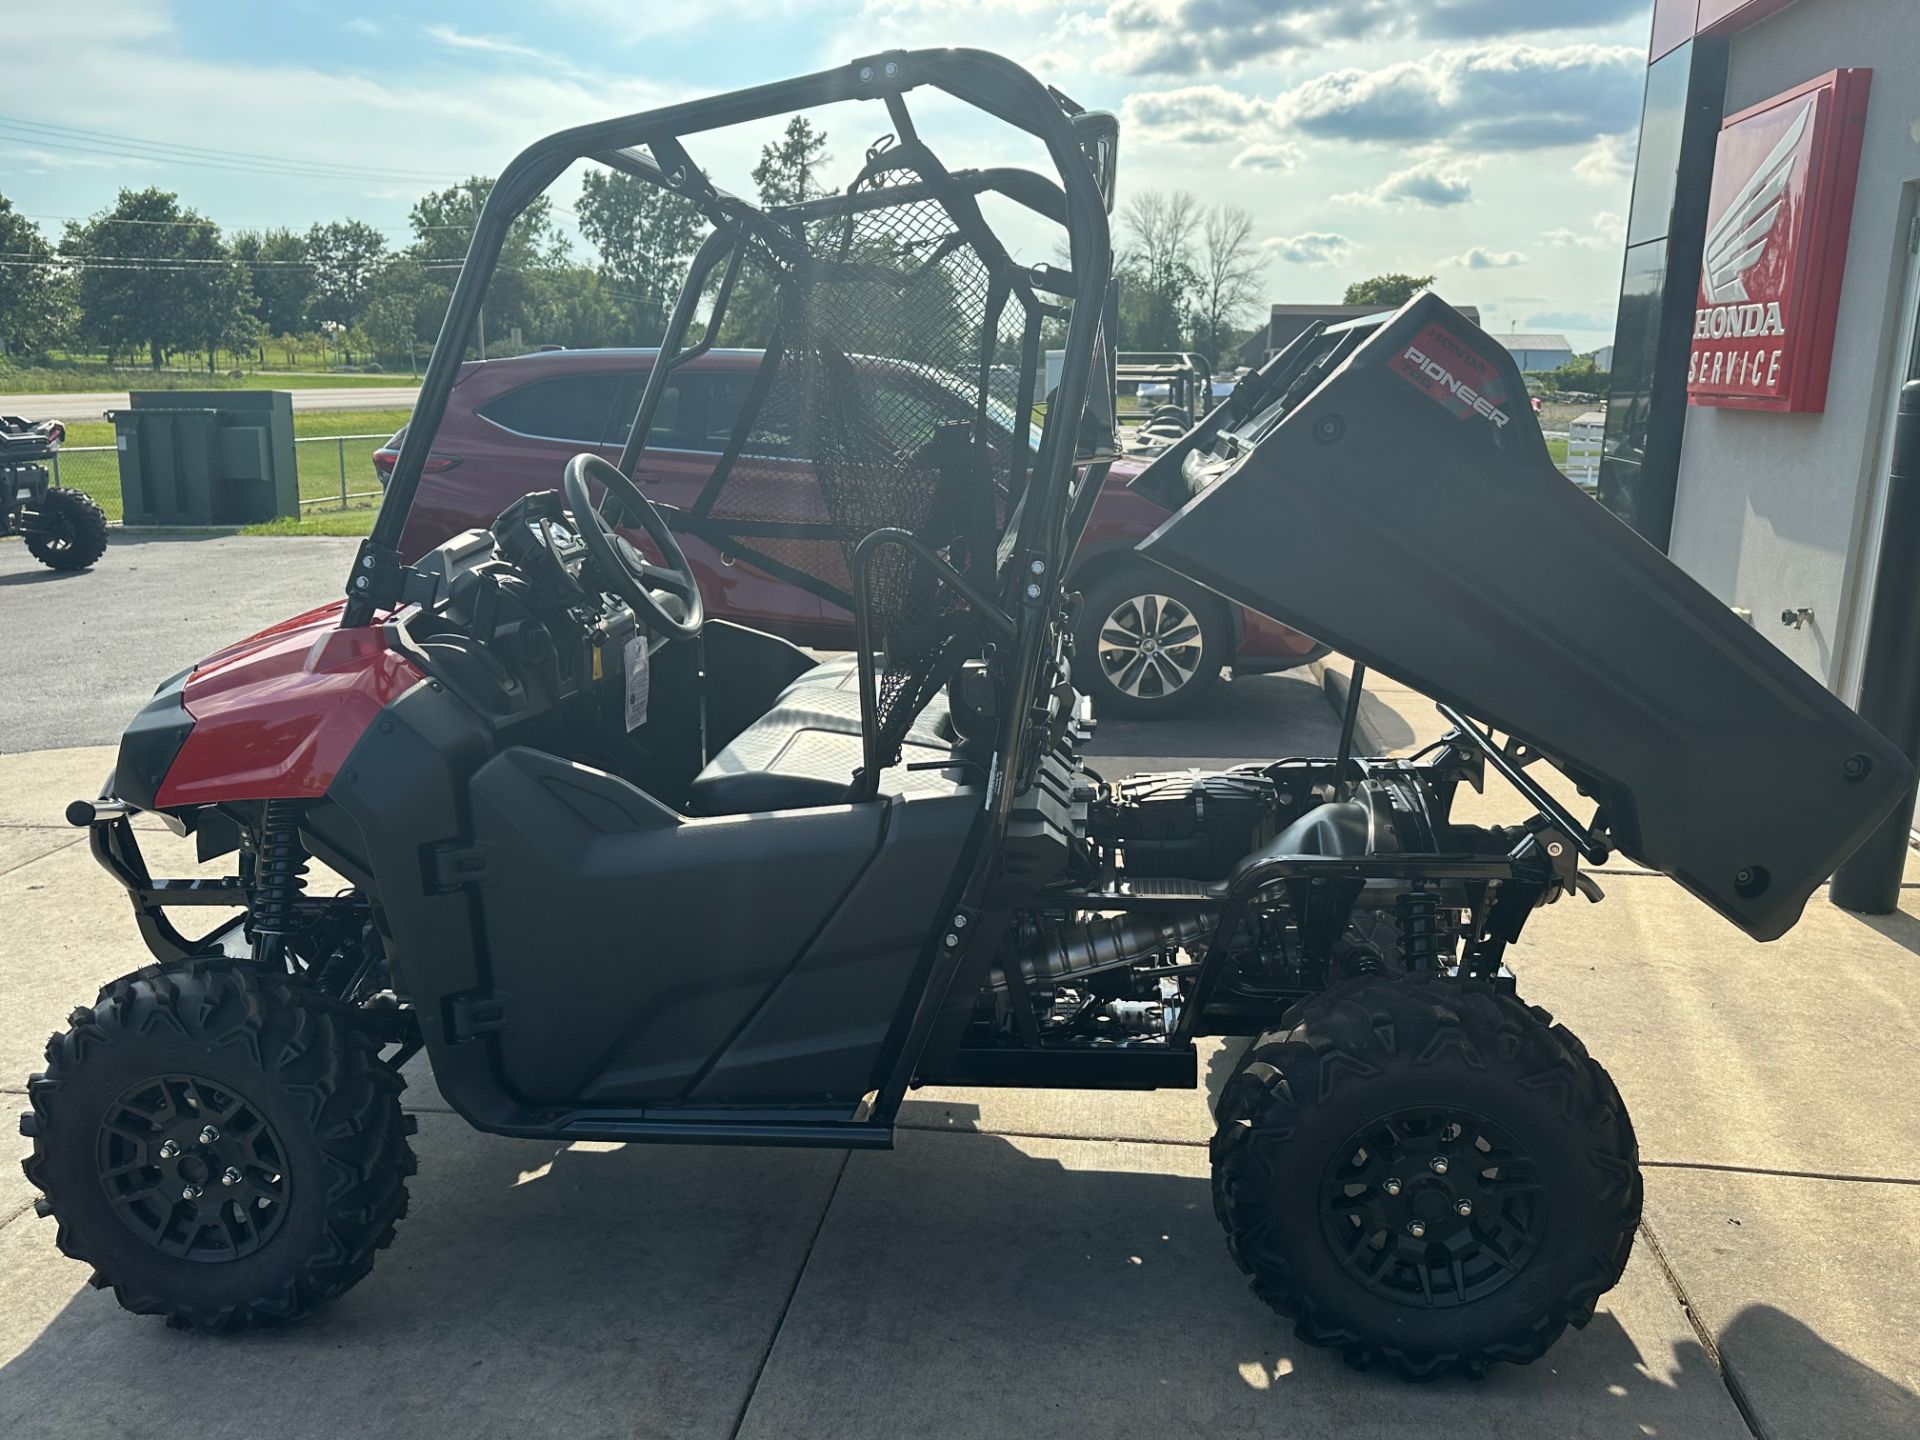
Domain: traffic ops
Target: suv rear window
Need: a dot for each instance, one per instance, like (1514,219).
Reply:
(576,408)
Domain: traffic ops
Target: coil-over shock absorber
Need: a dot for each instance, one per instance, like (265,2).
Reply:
(279,877)
(1417,916)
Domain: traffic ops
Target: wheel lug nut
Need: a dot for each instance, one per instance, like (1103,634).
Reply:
(1392,1187)
(262,1203)
(168,1150)
(208,1135)
(1465,1207)
(1416,1229)
(1439,1164)
(233,1177)
(190,1192)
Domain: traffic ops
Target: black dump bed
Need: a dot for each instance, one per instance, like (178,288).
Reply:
(1405,511)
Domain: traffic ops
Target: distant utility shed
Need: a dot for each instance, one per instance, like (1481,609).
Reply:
(1536,354)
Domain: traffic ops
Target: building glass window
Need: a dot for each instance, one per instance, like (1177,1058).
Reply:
(1636,341)
(1662,127)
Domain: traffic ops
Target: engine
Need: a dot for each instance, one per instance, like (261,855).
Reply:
(1111,956)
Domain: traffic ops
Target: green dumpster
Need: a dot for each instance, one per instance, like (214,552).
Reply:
(206,457)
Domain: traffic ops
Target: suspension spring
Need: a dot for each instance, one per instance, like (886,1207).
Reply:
(280,875)
(1417,916)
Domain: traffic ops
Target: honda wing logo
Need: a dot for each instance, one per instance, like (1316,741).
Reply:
(1739,237)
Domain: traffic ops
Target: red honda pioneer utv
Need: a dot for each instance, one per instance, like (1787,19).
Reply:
(628,874)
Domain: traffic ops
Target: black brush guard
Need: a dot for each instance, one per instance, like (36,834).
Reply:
(1406,512)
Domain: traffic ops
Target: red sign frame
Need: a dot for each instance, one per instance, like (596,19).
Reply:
(1778,219)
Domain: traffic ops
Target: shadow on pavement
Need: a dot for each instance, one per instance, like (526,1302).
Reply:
(1834,1393)
(1899,927)
(39,576)
(965,1285)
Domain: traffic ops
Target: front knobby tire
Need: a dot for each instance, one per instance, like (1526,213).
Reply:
(70,530)
(224,1147)
(1425,1174)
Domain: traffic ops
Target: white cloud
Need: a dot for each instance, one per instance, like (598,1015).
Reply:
(1187,37)
(1435,182)
(1608,161)
(1504,97)
(1607,230)
(1314,247)
(453,39)
(1481,258)
(1277,156)
(1196,115)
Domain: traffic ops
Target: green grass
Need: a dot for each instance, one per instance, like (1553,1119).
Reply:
(319,522)
(65,379)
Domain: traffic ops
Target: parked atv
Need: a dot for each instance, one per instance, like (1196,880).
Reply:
(626,873)
(63,529)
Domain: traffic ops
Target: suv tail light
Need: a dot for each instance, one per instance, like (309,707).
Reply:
(388,455)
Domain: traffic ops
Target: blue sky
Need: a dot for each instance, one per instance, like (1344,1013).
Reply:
(1486,141)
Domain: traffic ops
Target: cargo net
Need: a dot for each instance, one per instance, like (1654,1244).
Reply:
(882,413)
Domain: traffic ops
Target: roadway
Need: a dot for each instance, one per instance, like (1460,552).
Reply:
(92,404)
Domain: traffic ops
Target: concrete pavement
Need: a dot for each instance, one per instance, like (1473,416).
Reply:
(79,406)
(1029,1262)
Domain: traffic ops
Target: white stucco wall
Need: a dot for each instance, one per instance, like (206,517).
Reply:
(1771,509)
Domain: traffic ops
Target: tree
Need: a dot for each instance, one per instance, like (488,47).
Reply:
(785,174)
(345,256)
(443,222)
(215,298)
(1580,373)
(1230,279)
(1158,274)
(282,277)
(32,298)
(135,261)
(645,236)
(1387,289)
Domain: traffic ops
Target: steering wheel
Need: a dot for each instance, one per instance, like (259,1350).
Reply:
(629,573)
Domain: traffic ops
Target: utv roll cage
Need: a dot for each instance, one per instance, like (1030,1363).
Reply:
(907,223)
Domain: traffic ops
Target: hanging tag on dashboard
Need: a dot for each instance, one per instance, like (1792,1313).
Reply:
(639,678)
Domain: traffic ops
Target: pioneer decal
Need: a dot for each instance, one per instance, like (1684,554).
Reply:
(1776,242)
(1454,375)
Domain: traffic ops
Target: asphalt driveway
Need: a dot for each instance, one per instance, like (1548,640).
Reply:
(80,653)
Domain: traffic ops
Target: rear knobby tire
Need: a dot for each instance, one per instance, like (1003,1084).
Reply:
(316,1139)
(70,532)
(1324,1161)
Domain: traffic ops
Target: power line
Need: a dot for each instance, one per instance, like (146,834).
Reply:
(100,142)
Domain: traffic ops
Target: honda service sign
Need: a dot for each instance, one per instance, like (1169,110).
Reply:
(1776,247)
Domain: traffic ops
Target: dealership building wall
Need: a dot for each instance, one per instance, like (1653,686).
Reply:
(1772,512)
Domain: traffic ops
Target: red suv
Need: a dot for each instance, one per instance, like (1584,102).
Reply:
(1150,642)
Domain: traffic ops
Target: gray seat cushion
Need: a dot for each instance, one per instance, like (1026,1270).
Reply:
(804,751)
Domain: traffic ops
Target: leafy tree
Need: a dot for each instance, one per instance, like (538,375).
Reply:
(282,278)
(32,297)
(1230,279)
(406,307)
(345,256)
(215,298)
(443,222)
(785,174)
(1579,373)
(1386,289)
(645,236)
(133,290)
(1159,278)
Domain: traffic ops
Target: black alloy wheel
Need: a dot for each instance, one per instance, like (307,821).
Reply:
(194,1168)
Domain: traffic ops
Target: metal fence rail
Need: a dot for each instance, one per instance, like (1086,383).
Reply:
(336,472)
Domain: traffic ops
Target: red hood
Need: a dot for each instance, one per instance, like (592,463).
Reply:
(275,715)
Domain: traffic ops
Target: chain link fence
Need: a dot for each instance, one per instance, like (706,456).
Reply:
(336,472)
